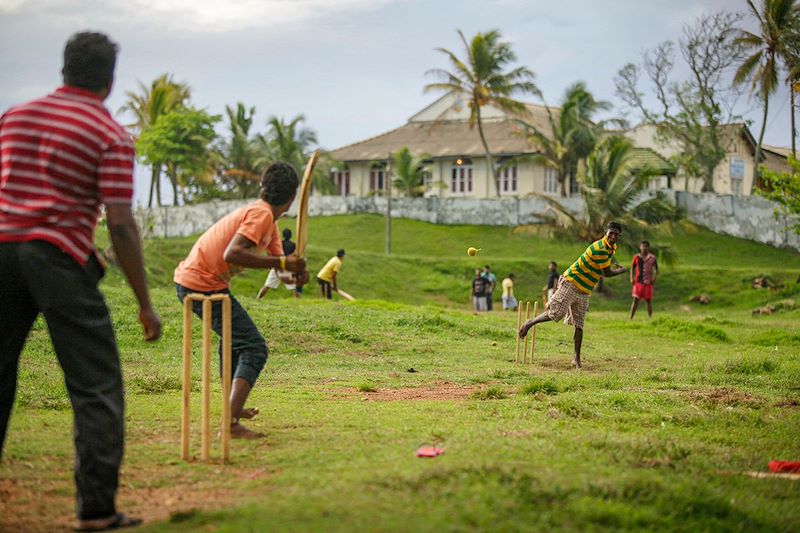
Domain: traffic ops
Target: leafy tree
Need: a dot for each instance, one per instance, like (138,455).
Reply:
(292,142)
(762,67)
(409,172)
(162,96)
(181,140)
(482,80)
(784,189)
(572,134)
(693,111)
(611,188)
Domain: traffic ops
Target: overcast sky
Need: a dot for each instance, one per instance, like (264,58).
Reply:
(354,68)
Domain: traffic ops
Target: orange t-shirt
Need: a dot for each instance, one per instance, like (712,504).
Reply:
(205,270)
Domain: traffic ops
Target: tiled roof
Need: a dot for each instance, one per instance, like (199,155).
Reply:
(448,138)
(641,157)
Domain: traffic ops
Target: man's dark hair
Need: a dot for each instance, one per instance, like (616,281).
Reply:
(340,252)
(614,226)
(89,60)
(487,266)
(287,234)
(511,275)
(645,242)
(552,263)
(279,183)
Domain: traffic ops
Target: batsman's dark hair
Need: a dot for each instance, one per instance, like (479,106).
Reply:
(279,183)
(614,226)
(89,61)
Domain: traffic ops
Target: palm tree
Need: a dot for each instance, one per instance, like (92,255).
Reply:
(572,133)
(610,188)
(239,154)
(292,142)
(409,172)
(766,48)
(162,96)
(482,80)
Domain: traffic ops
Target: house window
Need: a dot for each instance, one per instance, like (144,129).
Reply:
(550,180)
(461,176)
(573,185)
(377,176)
(507,180)
(341,178)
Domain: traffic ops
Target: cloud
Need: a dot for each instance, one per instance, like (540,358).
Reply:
(199,16)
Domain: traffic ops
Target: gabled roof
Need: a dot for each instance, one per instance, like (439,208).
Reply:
(442,129)
(645,157)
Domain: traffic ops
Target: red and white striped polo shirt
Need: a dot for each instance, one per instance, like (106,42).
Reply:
(61,156)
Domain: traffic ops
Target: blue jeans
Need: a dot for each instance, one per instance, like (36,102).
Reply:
(249,349)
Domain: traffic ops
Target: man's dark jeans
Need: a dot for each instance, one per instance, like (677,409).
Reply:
(248,347)
(37,277)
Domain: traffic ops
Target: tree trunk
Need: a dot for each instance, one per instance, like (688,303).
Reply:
(489,160)
(155,175)
(708,180)
(158,190)
(791,108)
(757,172)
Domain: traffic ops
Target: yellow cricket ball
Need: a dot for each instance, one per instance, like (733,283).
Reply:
(471,251)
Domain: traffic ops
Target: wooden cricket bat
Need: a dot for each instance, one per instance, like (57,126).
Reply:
(344,295)
(301,230)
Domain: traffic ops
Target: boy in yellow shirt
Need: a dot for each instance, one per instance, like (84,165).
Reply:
(327,276)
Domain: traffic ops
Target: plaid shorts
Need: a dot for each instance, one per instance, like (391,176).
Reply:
(568,302)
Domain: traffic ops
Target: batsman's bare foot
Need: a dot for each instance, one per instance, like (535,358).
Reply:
(249,412)
(238,431)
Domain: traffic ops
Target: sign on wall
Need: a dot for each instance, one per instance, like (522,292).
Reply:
(737,168)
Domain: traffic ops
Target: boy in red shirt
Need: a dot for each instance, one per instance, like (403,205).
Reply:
(234,243)
(644,271)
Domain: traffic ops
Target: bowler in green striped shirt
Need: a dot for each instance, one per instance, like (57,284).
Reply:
(571,299)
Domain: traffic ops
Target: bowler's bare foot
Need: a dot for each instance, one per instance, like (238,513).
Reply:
(576,362)
(249,412)
(238,431)
(262,291)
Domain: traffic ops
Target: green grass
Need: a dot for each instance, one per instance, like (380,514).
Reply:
(653,434)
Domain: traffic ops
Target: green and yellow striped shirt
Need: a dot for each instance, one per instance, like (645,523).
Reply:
(586,272)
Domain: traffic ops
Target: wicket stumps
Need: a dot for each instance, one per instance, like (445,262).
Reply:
(531,333)
(205,404)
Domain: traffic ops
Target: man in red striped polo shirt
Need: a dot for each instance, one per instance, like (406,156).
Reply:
(61,157)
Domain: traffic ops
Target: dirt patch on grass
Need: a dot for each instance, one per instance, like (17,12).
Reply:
(437,391)
(32,506)
(727,397)
(788,403)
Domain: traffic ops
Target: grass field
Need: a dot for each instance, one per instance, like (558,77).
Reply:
(655,433)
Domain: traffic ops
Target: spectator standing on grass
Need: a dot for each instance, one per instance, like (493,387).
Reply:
(491,282)
(478,291)
(644,270)
(571,298)
(509,301)
(235,242)
(326,278)
(62,157)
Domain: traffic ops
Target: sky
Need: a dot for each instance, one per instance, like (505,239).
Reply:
(353,68)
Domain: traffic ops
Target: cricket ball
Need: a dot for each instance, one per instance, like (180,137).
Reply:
(472,251)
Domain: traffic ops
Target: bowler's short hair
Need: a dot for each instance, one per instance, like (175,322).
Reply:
(279,183)
(340,252)
(614,226)
(89,61)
